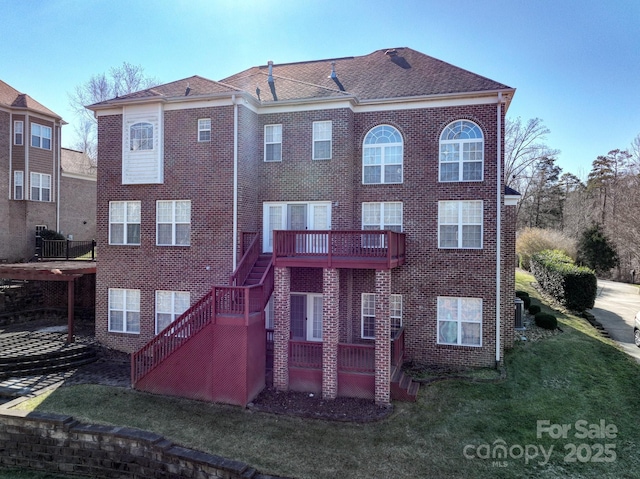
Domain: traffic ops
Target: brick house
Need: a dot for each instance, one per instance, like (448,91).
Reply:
(354,208)
(29,171)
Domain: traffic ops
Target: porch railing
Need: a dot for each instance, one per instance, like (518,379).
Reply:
(365,244)
(356,357)
(68,249)
(305,354)
(171,338)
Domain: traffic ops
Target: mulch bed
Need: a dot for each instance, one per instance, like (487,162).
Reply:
(312,406)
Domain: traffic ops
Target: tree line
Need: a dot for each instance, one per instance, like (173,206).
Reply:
(602,211)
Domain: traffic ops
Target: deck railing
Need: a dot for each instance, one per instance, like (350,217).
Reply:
(356,357)
(171,338)
(305,354)
(67,249)
(364,244)
(247,261)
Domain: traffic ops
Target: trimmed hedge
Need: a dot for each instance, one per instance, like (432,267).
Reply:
(534,309)
(546,321)
(572,286)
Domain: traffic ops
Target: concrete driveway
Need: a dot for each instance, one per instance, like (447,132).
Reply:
(616,306)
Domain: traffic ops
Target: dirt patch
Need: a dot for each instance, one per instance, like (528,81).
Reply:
(312,406)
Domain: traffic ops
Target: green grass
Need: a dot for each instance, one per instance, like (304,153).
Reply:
(576,375)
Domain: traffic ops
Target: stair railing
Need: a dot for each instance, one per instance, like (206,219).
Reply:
(246,263)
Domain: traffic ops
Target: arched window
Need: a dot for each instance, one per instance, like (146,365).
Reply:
(141,136)
(382,154)
(461,152)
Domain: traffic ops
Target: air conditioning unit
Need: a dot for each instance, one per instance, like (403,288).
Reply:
(519,314)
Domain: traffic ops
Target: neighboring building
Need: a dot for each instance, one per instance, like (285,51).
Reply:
(29,166)
(77,196)
(373,186)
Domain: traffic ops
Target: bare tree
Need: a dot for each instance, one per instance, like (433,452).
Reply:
(524,146)
(121,80)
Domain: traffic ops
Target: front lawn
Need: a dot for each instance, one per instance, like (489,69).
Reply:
(575,380)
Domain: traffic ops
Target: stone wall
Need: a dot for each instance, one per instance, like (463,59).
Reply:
(60,444)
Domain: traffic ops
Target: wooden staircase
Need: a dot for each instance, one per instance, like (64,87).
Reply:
(259,268)
(403,388)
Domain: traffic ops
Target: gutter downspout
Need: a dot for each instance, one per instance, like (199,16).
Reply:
(235,181)
(498,226)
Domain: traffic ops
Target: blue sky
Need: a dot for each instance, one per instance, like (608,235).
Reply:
(575,64)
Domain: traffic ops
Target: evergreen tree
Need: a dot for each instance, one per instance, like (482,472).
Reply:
(596,251)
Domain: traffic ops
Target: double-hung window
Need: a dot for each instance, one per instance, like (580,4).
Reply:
(460,321)
(173,223)
(460,224)
(170,305)
(124,222)
(40,136)
(273,143)
(461,152)
(18,132)
(368,318)
(18,185)
(382,154)
(40,187)
(204,129)
(322,140)
(380,216)
(124,310)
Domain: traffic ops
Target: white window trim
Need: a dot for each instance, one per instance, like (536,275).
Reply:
(458,320)
(173,223)
(124,311)
(391,316)
(41,136)
(174,315)
(272,143)
(126,222)
(460,224)
(461,162)
(396,317)
(317,140)
(382,146)
(40,188)
(383,205)
(18,183)
(203,127)
(19,123)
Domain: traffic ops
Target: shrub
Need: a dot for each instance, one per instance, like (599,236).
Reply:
(534,309)
(534,240)
(527,301)
(51,235)
(546,321)
(572,286)
(521,294)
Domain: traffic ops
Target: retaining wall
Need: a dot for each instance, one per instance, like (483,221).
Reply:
(60,444)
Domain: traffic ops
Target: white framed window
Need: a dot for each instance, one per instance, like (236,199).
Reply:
(141,136)
(40,187)
(204,129)
(169,306)
(124,222)
(380,216)
(18,185)
(368,319)
(124,310)
(382,156)
(322,137)
(273,143)
(18,132)
(460,321)
(460,224)
(461,152)
(40,136)
(173,223)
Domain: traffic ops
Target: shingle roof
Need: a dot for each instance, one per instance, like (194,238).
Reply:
(383,74)
(73,161)
(12,98)
(187,87)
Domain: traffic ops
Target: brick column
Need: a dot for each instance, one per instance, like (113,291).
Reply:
(383,339)
(281,327)
(330,336)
